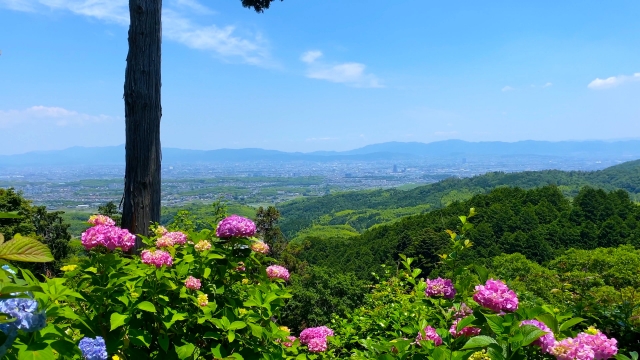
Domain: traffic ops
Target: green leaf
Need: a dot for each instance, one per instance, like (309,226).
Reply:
(478,341)
(185,351)
(495,323)
(570,323)
(231,335)
(237,325)
(140,337)
(207,272)
(550,321)
(163,340)
(25,249)
(1,238)
(483,274)
(495,352)
(440,353)
(118,320)
(301,357)
(256,330)
(464,322)
(621,357)
(36,351)
(18,289)
(146,306)
(530,333)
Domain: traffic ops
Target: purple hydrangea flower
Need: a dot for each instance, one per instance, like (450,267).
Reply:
(495,295)
(440,287)
(278,272)
(314,333)
(429,333)
(235,226)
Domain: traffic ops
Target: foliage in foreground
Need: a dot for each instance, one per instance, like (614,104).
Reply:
(210,294)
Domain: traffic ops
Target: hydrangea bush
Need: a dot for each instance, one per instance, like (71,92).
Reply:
(216,294)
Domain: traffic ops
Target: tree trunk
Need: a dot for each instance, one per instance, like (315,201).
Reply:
(142,109)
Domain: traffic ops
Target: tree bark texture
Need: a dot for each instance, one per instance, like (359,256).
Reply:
(142,109)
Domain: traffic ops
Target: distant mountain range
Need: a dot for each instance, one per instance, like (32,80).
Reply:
(114,155)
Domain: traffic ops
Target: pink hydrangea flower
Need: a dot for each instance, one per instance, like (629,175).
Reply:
(260,247)
(495,295)
(164,241)
(157,258)
(235,226)
(317,345)
(545,342)
(278,272)
(178,238)
(440,287)
(202,245)
(313,333)
(291,340)
(429,333)
(161,230)
(465,331)
(571,349)
(463,311)
(603,347)
(110,237)
(192,283)
(101,220)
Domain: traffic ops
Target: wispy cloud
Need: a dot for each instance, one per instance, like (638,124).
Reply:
(350,73)
(41,115)
(547,85)
(507,88)
(223,42)
(613,81)
(19,5)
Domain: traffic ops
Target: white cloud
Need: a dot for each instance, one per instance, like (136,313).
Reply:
(311,56)
(223,42)
(350,73)
(45,115)
(19,5)
(613,81)
(507,88)
(547,85)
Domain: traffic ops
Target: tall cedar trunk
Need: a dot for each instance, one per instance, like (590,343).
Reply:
(142,109)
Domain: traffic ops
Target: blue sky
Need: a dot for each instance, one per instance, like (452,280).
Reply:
(326,74)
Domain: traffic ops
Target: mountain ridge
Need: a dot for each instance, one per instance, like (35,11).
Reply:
(114,155)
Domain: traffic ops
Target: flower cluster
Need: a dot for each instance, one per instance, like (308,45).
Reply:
(93,349)
(546,341)
(171,239)
(192,283)
(27,318)
(203,300)
(157,258)
(465,331)
(429,333)
(278,272)
(480,355)
(588,345)
(235,226)
(495,295)
(603,347)
(69,268)
(101,220)
(104,233)
(160,230)
(202,245)
(440,287)
(315,338)
(260,247)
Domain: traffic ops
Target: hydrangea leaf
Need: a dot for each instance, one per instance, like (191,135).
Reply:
(118,320)
(25,249)
(185,351)
(479,341)
(147,306)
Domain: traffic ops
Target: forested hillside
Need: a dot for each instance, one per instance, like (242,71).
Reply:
(364,209)
(538,223)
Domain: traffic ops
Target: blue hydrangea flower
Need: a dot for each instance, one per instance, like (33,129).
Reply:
(25,312)
(7,268)
(93,349)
